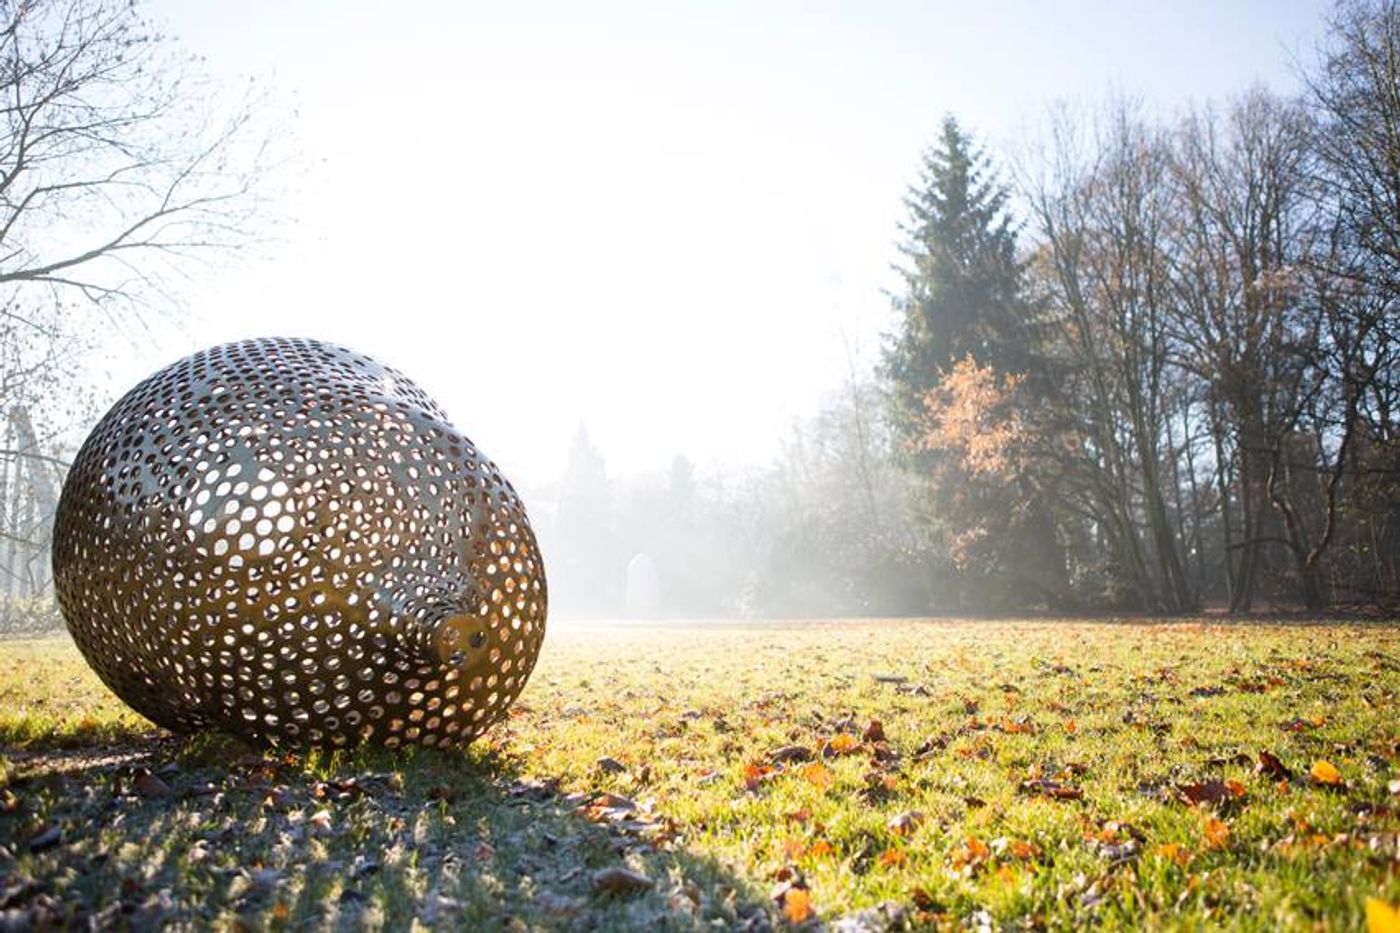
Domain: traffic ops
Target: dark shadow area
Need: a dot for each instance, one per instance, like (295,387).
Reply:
(205,831)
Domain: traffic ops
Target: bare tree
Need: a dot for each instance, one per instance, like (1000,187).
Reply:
(115,172)
(120,175)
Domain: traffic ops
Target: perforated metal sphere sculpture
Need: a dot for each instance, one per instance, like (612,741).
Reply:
(286,540)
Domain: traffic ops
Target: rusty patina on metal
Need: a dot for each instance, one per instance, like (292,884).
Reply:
(288,541)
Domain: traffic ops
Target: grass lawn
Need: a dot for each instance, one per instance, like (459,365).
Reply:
(872,774)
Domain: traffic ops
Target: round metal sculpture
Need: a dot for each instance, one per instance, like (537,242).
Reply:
(286,540)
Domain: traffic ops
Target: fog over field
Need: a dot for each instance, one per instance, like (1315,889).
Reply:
(676,269)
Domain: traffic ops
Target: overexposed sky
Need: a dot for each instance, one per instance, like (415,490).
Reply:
(665,220)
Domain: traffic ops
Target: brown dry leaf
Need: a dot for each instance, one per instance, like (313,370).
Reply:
(1271,766)
(151,787)
(1211,792)
(875,731)
(1326,773)
(905,823)
(789,754)
(619,882)
(797,905)
(609,765)
(1052,789)
(610,801)
(802,815)
(1217,833)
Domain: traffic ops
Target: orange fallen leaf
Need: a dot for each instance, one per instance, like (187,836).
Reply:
(1217,832)
(843,743)
(1324,772)
(1022,849)
(892,858)
(1174,852)
(971,854)
(1381,917)
(1071,727)
(797,905)
(816,774)
(820,849)
(754,775)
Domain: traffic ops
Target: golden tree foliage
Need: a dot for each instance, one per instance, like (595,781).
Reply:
(973,415)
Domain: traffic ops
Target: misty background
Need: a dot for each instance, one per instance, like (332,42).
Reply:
(664,264)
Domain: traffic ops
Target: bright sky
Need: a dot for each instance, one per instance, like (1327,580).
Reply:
(667,221)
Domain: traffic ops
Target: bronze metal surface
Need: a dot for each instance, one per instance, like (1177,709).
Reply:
(287,540)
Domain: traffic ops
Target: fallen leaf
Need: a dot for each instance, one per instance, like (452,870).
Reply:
(1217,832)
(820,849)
(1270,765)
(843,743)
(754,775)
(1017,848)
(1211,792)
(320,822)
(619,882)
(1326,773)
(1173,852)
(892,858)
(611,801)
(797,905)
(1052,789)
(609,765)
(1071,727)
(1381,917)
(971,855)
(875,731)
(905,823)
(816,774)
(151,787)
(789,754)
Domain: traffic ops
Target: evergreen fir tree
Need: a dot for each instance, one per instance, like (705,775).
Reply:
(963,281)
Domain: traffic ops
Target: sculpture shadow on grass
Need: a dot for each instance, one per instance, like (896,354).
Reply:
(204,831)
